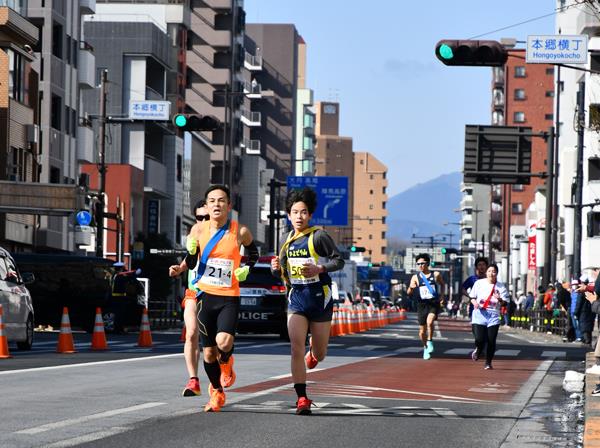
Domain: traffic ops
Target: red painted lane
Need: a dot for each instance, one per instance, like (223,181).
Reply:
(408,378)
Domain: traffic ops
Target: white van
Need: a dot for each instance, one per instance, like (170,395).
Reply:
(17,307)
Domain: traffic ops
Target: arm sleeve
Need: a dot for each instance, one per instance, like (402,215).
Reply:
(252,254)
(325,247)
(191,260)
(596,307)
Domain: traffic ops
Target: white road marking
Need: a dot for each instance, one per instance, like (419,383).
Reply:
(409,350)
(366,347)
(505,352)
(89,364)
(553,354)
(91,437)
(458,351)
(87,418)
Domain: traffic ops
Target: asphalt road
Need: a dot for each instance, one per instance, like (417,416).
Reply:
(374,389)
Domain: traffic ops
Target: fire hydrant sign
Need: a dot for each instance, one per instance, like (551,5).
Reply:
(557,49)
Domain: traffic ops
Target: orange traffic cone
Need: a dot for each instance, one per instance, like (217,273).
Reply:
(182,337)
(3,340)
(145,338)
(65,337)
(98,336)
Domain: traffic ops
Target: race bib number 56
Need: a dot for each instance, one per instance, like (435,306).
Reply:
(218,272)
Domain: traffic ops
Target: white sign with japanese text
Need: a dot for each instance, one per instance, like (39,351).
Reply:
(150,110)
(557,49)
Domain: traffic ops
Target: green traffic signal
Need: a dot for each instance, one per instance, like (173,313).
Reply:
(446,52)
(353,249)
(444,250)
(180,120)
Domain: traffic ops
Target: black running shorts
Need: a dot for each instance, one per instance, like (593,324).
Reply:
(217,314)
(426,307)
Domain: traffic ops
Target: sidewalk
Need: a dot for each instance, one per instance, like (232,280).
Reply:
(591,433)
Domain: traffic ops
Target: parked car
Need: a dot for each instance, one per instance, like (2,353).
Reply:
(263,302)
(82,284)
(17,306)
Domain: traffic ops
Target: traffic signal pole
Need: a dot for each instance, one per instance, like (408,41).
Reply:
(578,197)
(101,167)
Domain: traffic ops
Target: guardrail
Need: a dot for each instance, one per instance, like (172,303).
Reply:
(541,321)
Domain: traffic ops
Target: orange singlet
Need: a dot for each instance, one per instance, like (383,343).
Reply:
(218,277)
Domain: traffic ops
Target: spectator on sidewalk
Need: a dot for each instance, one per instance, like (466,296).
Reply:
(564,304)
(529,302)
(574,295)
(521,299)
(585,316)
(592,298)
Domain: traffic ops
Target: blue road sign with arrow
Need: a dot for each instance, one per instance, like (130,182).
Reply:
(332,198)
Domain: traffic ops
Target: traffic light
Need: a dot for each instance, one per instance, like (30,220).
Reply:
(193,122)
(485,53)
(356,249)
(443,250)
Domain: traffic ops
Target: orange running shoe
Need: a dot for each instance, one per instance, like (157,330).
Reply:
(216,401)
(192,388)
(303,406)
(227,373)
(309,359)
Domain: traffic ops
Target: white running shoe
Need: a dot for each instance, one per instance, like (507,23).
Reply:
(594,370)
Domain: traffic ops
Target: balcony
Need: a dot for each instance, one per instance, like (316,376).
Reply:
(251,119)
(57,71)
(201,104)
(203,67)
(155,177)
(210,36)
(252,146)
(85,143)
(253,62)
(86,72)
(87,7)
(252,91)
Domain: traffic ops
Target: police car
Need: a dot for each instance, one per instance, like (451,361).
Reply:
(17,306)
(263,302)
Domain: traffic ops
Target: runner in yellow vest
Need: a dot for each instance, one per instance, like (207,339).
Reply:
(302,265)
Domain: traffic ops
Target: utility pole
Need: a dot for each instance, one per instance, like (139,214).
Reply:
(274,184)
(578,197)
(101,168)
(554,228)
(548,261)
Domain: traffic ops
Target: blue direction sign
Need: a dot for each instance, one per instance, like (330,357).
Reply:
(332,198)
(84,218)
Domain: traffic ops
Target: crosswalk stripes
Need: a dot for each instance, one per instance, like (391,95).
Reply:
(553,354)
(347,409)
(505,352)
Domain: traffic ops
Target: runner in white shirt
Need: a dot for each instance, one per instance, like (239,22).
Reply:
(486,296)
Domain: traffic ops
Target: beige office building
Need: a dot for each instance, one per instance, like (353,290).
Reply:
(370,206)
(334,157)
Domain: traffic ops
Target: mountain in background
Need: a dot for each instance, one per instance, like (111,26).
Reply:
(423,209)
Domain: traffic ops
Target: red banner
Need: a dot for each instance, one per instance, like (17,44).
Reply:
(531,247)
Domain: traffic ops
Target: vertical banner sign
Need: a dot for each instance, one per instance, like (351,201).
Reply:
(531,246)
(153,209)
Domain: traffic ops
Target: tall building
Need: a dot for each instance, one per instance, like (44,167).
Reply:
(146,171)
(523,96)
(304,153)
(334,157)
(59,56)
(19,117)
(370,206)
(271,118)
(579,250)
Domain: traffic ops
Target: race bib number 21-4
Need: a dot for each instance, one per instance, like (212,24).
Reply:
(218,272)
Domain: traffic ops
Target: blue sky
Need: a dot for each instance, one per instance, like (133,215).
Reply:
(377,59)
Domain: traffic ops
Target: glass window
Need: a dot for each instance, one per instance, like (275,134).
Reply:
(520,72)
(519,94)
(519,117)
(57,40)
(56,112)
(594,168)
